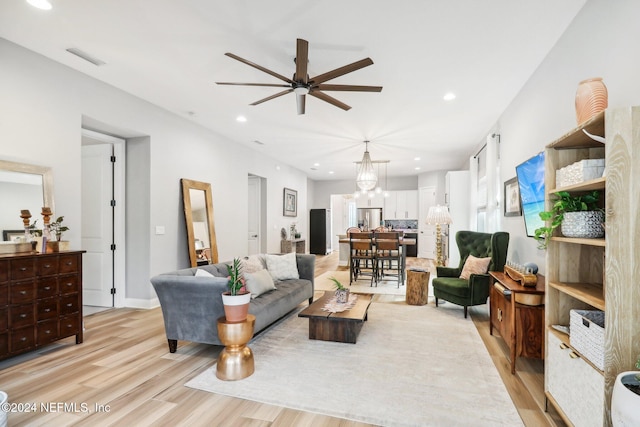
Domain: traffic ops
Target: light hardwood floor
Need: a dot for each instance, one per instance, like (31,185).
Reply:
(124,369)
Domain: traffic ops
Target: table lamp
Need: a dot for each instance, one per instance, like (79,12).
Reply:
(439,215)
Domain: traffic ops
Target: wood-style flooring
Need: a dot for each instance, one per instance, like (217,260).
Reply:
(124,375)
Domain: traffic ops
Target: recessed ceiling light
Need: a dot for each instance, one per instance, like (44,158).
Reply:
(316,164)
(417,168)
(241,119)
(449,96)
(40,4)
(416,158)
(330,172)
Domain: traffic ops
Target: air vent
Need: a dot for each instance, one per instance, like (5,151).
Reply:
(80,54)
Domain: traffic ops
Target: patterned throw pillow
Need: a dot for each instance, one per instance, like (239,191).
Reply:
(282,267)
(253,263)
(259,282)
(474,265)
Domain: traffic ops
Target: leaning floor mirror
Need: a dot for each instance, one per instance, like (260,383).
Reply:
(198,214)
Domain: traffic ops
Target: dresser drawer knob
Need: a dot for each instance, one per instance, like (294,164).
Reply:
(23,268)
(574,355)
(23,316)
(46,310)
(23,292)
(69,304)
(47,288)
(563,346)
(48,332)
(47,266)
(69,263)
(500,314)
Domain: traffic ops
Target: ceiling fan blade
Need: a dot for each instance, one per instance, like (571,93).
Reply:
(252,84)
(341,71)
(268,98)
(300,101)
(302,59)
(347,88)
(259,67)
(331,100)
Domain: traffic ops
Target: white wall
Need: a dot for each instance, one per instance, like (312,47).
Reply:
(43,106)
(602,41)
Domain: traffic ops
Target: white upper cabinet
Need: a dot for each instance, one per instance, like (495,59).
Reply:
(401,205)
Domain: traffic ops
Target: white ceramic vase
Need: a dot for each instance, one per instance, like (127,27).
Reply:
(236,307)
(625,404)
(583,224)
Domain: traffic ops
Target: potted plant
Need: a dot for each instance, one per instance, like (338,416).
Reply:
(236,300)
(577,216)
(625,401)
(342,293)
(56,228)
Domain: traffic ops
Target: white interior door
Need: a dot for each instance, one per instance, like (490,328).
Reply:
(254,205)
(426,232)
(97,224)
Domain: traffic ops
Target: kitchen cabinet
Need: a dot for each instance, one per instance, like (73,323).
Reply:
(364,201)
(401,205)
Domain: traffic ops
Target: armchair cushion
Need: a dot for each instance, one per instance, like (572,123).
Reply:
(474,265)
(447,272)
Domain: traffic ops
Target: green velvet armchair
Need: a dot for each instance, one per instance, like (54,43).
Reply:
(474,291)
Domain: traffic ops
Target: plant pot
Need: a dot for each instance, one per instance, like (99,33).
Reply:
(584,224)
(57,246)
(342,296)
(625,404)
(236,307)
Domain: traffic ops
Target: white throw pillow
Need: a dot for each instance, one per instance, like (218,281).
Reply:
(253,263)
(203,273)
(474,265)
(282,267)
(259,282)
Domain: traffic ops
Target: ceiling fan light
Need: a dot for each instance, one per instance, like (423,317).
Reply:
(301,90)
(40,4)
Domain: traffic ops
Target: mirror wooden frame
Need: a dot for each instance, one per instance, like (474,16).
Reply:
(47,179)
(188,184)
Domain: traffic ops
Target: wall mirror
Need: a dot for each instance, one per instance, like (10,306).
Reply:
(198,214)
(23,186)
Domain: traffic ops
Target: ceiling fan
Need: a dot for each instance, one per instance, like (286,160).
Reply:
(302,85)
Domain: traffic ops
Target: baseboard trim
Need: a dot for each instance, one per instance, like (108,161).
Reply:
(141,303)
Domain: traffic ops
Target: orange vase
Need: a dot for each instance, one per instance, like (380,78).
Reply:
(591,98)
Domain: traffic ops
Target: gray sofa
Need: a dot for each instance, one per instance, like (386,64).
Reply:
(192,305)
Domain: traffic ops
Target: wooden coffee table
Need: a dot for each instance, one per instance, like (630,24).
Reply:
(338,327)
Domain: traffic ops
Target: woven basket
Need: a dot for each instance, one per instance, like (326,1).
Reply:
(587,334)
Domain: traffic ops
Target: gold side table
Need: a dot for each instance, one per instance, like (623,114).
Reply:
(235,361)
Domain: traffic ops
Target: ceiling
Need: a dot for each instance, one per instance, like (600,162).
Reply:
(170,53)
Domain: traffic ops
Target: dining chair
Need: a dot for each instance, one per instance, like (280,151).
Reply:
(362,257)
(388,250)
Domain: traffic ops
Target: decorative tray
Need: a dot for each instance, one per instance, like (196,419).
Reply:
(524,278)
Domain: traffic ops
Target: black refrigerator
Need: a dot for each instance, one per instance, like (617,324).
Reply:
(320,231)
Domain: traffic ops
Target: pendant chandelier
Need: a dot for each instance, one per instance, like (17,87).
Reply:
(366,177)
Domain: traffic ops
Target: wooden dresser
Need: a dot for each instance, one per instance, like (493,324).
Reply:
(40,300)
(517,313)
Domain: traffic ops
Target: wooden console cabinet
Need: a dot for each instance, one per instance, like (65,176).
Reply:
(40,300)
(519,323)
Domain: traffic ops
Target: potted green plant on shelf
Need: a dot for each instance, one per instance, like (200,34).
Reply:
(236,299)
(342,293)
(577,216)
(625,401)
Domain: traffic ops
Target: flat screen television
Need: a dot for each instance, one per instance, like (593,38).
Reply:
(530,176)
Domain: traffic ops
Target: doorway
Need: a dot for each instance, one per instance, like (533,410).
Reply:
(426,232)
(256,204)
(103,220)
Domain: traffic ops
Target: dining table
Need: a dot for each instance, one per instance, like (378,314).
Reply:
(404,242)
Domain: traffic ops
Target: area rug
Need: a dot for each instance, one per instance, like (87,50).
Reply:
(387,287)
(411,366)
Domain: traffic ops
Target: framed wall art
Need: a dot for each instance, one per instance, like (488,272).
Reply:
(290,202)
(512,205)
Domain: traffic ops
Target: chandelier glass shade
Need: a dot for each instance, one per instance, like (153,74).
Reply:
(366,177)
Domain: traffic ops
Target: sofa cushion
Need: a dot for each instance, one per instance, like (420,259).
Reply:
(259,282)
(253,263)
(282,267)
(474,265)
(200,272)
